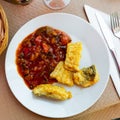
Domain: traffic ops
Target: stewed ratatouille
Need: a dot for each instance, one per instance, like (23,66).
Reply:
(39,53)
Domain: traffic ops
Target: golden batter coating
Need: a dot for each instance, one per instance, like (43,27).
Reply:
(86,76)
(52,91)
(73,56)
(62,75)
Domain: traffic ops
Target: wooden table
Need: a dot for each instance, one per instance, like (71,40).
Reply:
(10,108)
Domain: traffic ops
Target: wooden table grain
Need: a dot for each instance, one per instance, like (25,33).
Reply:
(10,108)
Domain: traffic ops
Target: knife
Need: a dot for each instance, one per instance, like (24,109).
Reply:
(91,14)
(108,37)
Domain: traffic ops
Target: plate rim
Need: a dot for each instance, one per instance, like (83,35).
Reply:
(59,13)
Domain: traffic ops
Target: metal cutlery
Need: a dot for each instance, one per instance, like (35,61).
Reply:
(107,34)
(115,24)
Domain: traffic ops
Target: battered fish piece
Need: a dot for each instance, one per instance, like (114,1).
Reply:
(86,76)
(73,56)
(62,75)
(52,91)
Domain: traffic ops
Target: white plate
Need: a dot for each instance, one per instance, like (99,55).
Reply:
(94,52)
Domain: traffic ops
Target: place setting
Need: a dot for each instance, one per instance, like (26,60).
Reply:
(112,41)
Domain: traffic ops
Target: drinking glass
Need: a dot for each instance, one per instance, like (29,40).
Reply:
(56,4)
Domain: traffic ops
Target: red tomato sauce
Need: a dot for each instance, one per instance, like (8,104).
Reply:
(39,53)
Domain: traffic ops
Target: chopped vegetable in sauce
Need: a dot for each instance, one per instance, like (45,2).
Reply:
(39,53)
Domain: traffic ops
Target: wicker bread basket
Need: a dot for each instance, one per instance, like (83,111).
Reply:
(3,30)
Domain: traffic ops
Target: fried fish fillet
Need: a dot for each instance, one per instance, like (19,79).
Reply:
(62,75)
(52,91)
(86,76)
(73,56)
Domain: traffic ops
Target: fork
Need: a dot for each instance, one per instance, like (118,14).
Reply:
(115,24)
